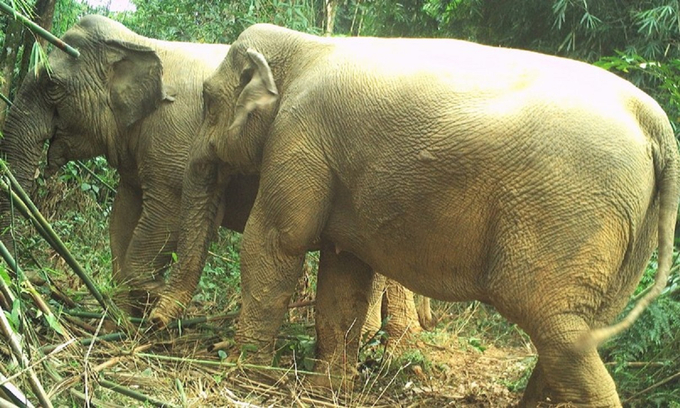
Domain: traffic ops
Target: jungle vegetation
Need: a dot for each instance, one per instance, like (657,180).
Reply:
(637,39)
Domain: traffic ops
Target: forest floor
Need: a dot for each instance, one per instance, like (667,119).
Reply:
(442,367)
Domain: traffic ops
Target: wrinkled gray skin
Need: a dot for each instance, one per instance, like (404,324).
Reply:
(533,183)
(138,102)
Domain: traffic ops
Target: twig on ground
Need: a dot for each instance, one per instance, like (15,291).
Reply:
(87,341)
(231,397)
(132,393)
(15,344)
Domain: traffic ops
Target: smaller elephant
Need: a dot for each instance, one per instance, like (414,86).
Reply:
(536,184)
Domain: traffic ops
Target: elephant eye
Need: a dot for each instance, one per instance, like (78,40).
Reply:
(55,90)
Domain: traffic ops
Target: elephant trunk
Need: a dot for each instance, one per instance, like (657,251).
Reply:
(29,124)
(201,196)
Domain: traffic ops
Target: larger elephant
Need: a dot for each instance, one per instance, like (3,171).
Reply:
(537,184)
(138,102)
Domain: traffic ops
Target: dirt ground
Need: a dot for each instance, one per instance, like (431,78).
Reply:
(176,368)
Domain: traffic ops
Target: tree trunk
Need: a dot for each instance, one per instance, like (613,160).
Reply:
(8,55)
(331,11)
(15,37)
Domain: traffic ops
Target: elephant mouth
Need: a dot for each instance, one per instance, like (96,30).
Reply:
(55,158)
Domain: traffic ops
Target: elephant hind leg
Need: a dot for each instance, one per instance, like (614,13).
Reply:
(571,374)
(342,302)
(537,390)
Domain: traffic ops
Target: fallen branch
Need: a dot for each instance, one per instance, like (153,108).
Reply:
(53,239)
(224,364)
(15,344)
(132,393)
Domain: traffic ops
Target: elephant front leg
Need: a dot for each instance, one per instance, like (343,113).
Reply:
(125,214)
(343,297)
(286,219)
(269,275)
(148,255)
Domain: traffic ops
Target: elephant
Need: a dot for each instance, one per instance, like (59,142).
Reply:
(536,184)
(138,102)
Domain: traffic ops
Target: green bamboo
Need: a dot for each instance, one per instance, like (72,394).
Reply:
(23,209)
(132,393)
(42,305)
(93,174)
(56,242)
(221,363)
(6,100)
(96,315)
(40,31)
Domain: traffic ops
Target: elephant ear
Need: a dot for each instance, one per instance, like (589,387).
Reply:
(136,85)
(259,93)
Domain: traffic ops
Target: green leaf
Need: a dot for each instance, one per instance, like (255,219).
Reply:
(4,275)
(54,323)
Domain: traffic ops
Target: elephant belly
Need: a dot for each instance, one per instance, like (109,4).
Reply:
(436,253)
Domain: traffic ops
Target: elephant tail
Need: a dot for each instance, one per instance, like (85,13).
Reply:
(667,172)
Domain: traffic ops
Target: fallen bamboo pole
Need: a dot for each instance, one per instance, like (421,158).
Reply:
(132,393)
(15,344)
(58,245)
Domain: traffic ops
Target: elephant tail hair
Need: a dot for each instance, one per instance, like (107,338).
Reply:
(667,172)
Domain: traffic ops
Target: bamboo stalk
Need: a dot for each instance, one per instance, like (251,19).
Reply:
(174,324)
(57,244)
(15,344)
(221,363)
(40,31)
(660,383)
(26,212)
(132,393)
(96,176)
(96,315)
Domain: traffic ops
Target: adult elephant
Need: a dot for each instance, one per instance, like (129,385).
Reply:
(137,101)
(536,184)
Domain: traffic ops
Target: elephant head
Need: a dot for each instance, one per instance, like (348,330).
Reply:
(82,105)
(243,86)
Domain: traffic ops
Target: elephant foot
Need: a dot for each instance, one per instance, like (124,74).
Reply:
(327,379)
(167,309)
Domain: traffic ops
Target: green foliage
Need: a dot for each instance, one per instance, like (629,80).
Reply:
(218,21)
(299,344)
(642,357)
(660,79)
